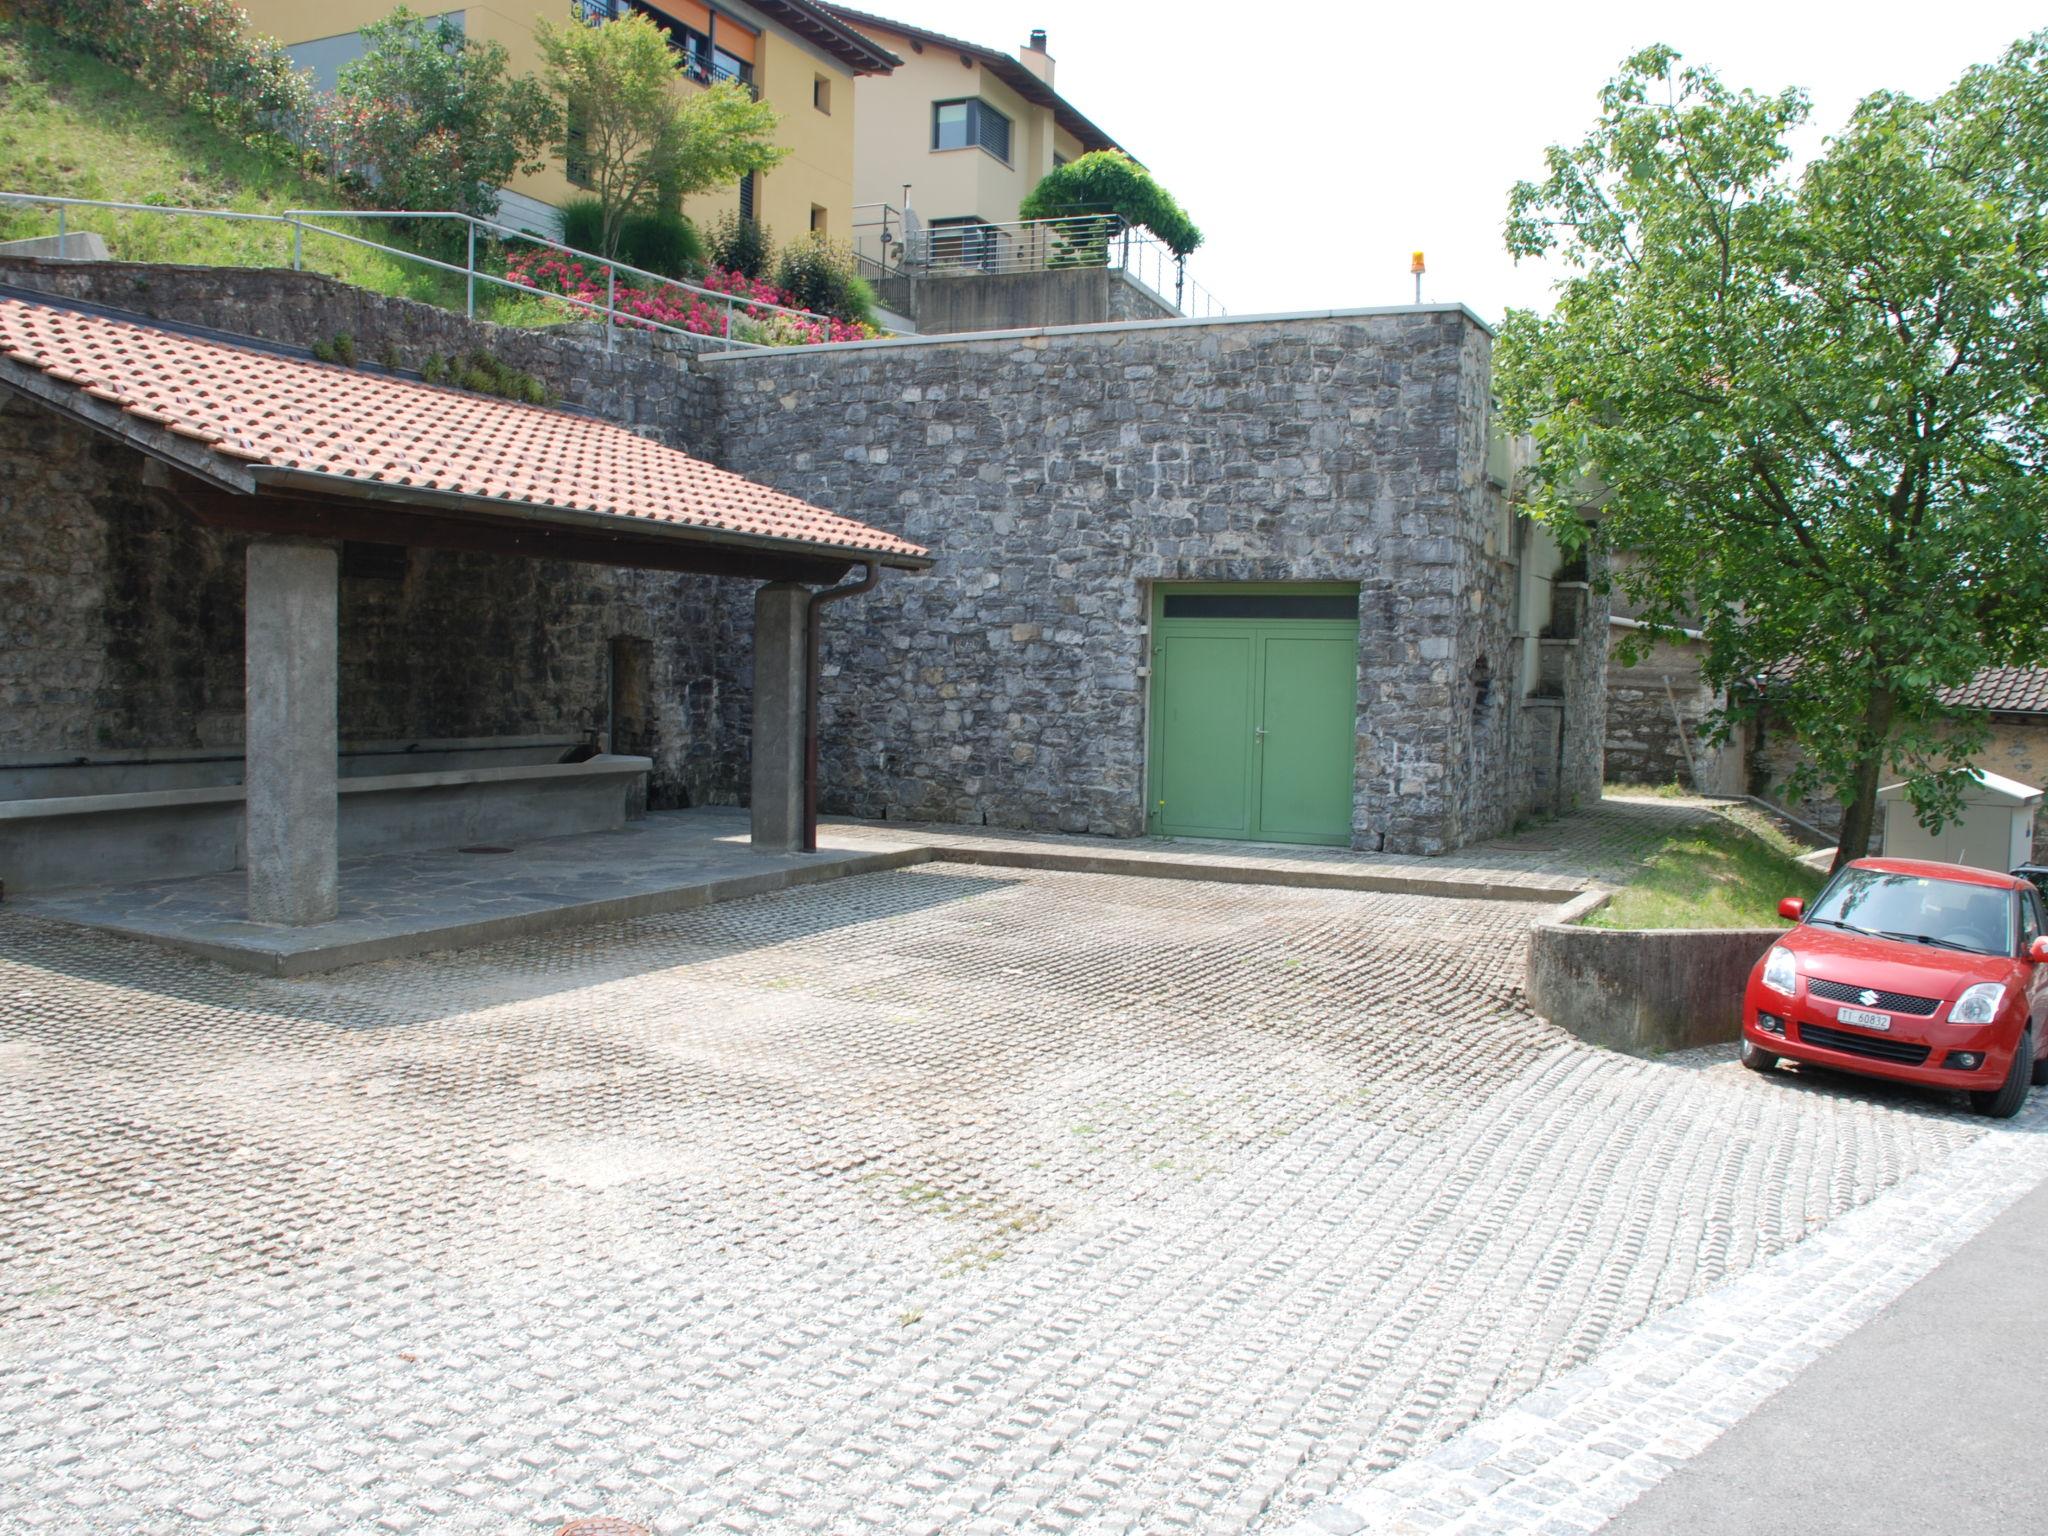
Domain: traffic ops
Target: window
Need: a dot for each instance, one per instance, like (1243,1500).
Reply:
(730,66)
(1954,913)
(1260,605)
(963,242)
(821,94)
(576,140)
(373,562)
(817,220)
(970,124)
(747,195)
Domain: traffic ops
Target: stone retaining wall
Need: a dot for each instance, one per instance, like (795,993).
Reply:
(646,382)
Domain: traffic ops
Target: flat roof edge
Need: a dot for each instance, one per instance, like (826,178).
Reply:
(1101,327)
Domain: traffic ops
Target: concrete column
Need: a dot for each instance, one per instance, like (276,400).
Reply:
(290,640)
(778,796)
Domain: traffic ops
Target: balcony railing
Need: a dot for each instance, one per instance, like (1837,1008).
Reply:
(694,56)
(889,243)
(710,72)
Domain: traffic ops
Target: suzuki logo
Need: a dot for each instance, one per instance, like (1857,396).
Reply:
(1866,997)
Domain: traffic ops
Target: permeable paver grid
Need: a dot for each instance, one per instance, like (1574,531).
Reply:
(948,1199)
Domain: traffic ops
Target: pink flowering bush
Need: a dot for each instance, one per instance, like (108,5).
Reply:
(551,272)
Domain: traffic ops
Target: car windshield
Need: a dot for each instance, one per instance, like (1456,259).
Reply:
(1947,914)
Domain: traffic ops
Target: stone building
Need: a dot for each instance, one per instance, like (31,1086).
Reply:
(1073,476)
(1312,502)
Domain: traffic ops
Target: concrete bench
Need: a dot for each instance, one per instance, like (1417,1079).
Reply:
(119,835)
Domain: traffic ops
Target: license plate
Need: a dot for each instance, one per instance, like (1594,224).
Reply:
(1863,1018)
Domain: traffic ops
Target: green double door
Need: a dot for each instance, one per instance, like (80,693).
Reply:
(1254,712)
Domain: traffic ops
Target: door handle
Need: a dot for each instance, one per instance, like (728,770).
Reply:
(1259,735)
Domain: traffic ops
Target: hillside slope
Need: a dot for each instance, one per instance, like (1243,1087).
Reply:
(73,126)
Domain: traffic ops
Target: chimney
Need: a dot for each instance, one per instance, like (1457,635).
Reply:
(1034,57)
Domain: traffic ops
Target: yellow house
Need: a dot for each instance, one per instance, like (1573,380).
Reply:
(968,129)
(798,57)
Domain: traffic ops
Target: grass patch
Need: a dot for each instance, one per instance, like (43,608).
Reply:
(1723,872)
(1672,791)
(74,126)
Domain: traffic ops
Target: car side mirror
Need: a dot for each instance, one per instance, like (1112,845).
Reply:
(2038,950)
(1791,908)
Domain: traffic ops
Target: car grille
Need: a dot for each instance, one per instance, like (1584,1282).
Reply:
(1890,1002)
(1905,1052)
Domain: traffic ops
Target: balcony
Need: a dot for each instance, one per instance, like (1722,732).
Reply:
(696,59)
(708,71)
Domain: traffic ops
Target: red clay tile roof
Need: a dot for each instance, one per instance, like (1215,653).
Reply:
(2009,690)
(259,409)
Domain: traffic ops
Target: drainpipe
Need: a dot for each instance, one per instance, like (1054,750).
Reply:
(813,666)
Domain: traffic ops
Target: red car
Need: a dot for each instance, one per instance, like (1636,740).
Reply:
(1918,972)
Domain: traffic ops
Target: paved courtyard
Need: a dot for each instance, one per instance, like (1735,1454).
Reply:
(950,1198)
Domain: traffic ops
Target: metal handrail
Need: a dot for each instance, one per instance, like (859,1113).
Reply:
(508,231)
(298,221)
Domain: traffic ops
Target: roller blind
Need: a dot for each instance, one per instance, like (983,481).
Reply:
(730,37)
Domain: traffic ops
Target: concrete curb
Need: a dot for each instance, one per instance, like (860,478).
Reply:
(519,925)
(1304,878)
(275,960)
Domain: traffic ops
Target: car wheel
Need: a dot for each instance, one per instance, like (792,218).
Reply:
(1757,1059)
(2004,1102)
(2041,1071)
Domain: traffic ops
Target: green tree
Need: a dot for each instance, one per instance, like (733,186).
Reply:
(641,138)
(1106,181)
(1813,400)
(429,119)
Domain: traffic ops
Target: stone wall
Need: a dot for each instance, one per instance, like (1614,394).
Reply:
(646,382)
(124,627)
(1650,725)
(2017,749)
(124,618)
(1057,476)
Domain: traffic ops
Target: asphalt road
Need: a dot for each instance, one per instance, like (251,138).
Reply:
(1930,1418)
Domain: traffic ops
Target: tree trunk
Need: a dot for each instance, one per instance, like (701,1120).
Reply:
(1859,817)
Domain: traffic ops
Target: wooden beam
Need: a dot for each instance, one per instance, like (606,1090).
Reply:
(378,522)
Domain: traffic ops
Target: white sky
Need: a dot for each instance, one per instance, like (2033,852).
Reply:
(1315,160)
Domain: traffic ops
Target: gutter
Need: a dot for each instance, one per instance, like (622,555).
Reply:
(1618,622)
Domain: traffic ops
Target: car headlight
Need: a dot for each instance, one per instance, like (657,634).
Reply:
(1978,1005)
(1781,971)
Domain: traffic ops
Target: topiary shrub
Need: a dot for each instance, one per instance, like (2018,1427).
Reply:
(742,246)
(1106,181)
(819,275)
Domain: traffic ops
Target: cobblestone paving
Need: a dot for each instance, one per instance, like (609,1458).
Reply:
(1570,1456)
(939,1200)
